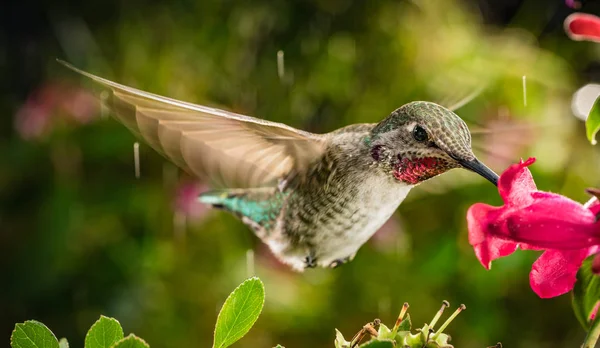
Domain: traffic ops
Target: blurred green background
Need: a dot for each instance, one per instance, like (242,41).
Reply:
(80,236)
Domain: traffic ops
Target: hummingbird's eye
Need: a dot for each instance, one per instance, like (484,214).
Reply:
(419,134)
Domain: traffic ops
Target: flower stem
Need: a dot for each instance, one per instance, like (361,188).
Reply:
(593,334)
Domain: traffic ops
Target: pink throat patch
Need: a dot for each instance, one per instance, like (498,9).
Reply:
(419,169)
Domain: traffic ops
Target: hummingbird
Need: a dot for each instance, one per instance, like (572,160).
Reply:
(314,199)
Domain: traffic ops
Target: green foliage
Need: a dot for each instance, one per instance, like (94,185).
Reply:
(239,312)
(131,341)
(593,334)
(33,334)
(586,292)
(406,324)
(379,344)
(104,333)
(401,336)
(592,124)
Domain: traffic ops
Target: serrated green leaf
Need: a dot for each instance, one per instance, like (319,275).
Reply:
(239,312)
(131,341)
(384,332)
(406,324)
(592,123)
(63,343)
(104,333)
(378,344)
(32,334)
(586,292)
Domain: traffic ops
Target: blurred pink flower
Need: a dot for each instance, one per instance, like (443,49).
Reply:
(536,220)
(583,27)
(385,239)
(186,200)
(50,102)
(573,4)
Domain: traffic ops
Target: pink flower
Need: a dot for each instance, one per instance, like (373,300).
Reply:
(535,220)
(573,4)
(186,200)
(583,27)
(51,102)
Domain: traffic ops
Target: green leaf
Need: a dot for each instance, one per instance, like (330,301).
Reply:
(104,333)
(592,124)
(240,311)
(406,324)
(378,344)
(586,292)
(279,346)
(384,332)
(32,334)
(63,343)
(131,341)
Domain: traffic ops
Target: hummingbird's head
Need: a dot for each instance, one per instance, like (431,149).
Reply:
(420,140)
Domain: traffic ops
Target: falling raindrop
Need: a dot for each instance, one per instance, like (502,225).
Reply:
(250,262)
(280,65)
(524,90)
(136,159)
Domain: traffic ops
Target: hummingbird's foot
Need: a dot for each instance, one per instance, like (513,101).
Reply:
(310,261)
(337,263)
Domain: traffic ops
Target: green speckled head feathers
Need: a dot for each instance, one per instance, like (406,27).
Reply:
(445,128)
(421,140)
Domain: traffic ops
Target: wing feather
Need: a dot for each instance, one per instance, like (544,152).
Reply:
(224,148)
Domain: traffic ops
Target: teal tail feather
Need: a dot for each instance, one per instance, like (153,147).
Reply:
(259,205)
(215,198)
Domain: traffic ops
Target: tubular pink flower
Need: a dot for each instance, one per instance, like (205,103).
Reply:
(535,220)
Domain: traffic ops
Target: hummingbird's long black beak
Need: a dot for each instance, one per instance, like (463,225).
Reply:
(481,169)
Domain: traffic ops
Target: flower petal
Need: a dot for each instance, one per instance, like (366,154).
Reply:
(516,183)
(487,246)
(492,249)
(554,272)
(551,221)
(582,26)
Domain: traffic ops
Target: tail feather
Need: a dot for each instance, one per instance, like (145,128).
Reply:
(214,198)
(262,206)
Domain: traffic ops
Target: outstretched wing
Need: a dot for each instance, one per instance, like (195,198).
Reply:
(221,147)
